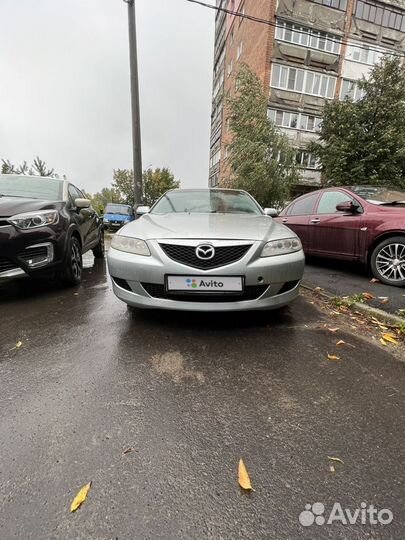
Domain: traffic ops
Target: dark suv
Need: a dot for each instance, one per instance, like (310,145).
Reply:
(45,226)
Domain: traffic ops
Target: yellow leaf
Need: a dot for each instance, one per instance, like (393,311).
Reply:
(243,476)
(383,342)
(368,296)
(340,342)
(18,344)
(391,338)
(333,330)
(335,459)
(80,497)
(333,357)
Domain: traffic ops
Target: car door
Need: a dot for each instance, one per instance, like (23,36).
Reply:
(297,216)
(336,233)
(83,217)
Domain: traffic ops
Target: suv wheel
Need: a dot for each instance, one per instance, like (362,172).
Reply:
(98,251)
(388,261)
(72,273)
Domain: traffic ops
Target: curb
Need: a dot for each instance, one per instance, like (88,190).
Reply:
(371,311)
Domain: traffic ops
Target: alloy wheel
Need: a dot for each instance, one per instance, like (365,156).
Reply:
(390,262)
(76,261)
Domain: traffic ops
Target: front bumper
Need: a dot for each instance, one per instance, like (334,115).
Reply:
(133,275)
(29,252)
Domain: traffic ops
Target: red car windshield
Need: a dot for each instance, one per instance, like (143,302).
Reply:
(380,195)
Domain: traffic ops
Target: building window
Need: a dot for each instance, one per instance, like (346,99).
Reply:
(303,81)
(362,53)
(306,160)
(239,50)
(350,90)
(383,15)
(307,37)
(215,157)
(336,4)
(300,121)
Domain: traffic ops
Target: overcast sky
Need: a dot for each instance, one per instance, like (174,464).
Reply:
(64,86)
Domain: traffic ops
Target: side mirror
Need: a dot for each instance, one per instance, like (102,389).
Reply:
(272,212)
(82,203)
(347,206)
(141,210)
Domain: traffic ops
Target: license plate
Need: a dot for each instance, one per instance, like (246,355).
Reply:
(201,284)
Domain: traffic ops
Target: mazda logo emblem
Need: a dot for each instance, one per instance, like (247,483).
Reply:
(205,252)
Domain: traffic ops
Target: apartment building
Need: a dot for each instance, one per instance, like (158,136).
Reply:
(308,52)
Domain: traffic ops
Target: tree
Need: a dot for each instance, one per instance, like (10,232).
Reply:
(363,142)
(7,167)
(155,183)
(260,156)
(107,195)
(40,167)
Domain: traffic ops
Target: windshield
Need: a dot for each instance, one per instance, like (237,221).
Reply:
(206,201)
(380,195)
(118,209)
(47,189)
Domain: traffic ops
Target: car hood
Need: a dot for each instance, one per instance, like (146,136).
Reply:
(10,206)
(206,226)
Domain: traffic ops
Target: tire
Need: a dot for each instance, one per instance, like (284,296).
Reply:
(72,272)
(99,250)
(387,261)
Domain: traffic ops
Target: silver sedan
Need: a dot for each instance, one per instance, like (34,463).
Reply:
(206,250)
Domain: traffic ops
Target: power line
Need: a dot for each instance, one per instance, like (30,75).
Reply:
(343,41)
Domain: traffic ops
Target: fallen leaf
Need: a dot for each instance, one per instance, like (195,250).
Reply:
(331,468)
(80,497)
(382,327)
(391,338)
(368,296)
(18,344)
(128,450)
(335,459)
(340,342)
(383,342)
(333,330)
(374,280)
(318,289)
(333,357)
(243,477)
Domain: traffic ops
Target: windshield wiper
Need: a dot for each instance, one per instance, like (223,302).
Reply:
(393,203)
(6,195)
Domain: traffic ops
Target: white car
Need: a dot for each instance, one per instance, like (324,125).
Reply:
(206,250)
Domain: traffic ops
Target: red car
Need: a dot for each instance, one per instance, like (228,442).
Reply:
(361,223)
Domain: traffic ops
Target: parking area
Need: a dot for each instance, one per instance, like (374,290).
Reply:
(157,409)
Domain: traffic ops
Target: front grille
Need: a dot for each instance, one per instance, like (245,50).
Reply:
(36,253)
(6,264)
(123,283)
(223,255)
(3,222)
(250,293)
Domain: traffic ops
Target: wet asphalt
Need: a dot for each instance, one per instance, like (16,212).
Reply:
(190,395)
(342,278)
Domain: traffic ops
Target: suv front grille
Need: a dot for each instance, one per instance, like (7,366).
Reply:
(6,264)
(223,255)
(251,292)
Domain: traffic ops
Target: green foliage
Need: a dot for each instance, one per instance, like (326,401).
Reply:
(363,142)
(38,168)
(7,167)
(260,157)
(155,183)
(107,195)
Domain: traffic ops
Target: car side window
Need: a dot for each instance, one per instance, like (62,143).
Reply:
(329,200)
(304,206)
(74,194)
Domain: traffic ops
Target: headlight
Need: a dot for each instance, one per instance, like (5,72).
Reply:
(105,220)
(32,220)
(281,247)
(130,245)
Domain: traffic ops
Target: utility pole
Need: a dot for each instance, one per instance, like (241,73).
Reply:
(136,122)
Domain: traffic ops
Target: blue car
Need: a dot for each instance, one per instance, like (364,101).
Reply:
(117,215)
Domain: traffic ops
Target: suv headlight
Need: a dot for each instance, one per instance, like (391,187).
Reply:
(281,247)
(33,220)
(130,245)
